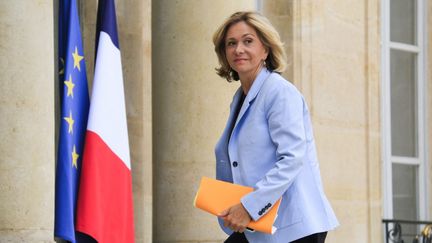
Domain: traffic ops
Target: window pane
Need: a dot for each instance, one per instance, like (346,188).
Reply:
(405,196)
(404,191)
(403,21)
(403,103)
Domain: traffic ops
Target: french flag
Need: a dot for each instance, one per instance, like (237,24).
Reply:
(105,206)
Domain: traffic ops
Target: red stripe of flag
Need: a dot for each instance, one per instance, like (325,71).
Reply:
(105,202)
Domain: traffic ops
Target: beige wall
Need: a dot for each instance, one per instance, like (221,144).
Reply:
(27,157)
(134,21)
(334,56)
(336,59)
(281,14)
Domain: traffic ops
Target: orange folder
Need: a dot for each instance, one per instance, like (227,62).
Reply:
(214,196)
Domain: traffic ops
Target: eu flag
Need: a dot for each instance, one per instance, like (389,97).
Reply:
(74,100)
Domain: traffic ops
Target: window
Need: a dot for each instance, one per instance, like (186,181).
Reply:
(403,107)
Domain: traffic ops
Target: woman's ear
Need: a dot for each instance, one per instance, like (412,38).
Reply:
(266,52)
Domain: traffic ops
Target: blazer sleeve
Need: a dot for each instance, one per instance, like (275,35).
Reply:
(284,112)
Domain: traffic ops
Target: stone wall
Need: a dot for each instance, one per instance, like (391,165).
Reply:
(27,147)
(336,58)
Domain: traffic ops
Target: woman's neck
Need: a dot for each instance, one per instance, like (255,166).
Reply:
(247,81)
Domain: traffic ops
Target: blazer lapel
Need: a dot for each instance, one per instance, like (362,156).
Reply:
(253,92)
(227,131)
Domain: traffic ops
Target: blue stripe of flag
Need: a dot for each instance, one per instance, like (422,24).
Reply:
(107,22)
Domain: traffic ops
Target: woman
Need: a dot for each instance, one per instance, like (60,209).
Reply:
(267,143)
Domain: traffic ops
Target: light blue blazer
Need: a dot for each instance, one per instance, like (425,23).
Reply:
(272,149)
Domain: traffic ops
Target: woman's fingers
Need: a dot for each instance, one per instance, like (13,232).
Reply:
(236,218)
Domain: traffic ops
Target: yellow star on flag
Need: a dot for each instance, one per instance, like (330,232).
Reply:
(70,122)
(70,85)
(74,158)
(77,58)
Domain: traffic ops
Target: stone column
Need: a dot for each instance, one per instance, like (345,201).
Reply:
(190,109)
(27,147)
(336,65)
(280,13)
(134,23)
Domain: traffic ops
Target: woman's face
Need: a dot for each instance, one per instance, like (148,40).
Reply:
(244,50)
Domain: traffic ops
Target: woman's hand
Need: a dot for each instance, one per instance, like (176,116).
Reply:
(236,218)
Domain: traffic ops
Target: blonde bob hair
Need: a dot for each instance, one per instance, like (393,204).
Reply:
(276,59)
